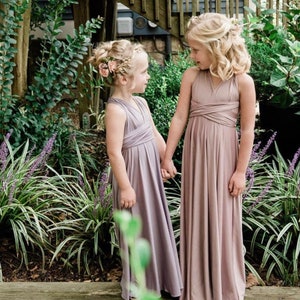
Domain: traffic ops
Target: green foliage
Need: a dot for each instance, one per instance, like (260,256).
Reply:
(67,215)
(275,53)
(140,253)
(55,74)
(271,218)
(173,194)
(162,93)
(23,209)
(10,18)
(87,229)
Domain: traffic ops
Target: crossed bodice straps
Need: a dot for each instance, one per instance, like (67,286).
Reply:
(138,136)
(221,113)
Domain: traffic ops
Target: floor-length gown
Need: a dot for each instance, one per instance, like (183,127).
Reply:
(211,245)
(143,168)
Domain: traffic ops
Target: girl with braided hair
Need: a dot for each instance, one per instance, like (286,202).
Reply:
(135,148)
(214,95)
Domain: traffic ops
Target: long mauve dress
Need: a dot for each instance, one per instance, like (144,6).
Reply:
(142,161)
(211,245)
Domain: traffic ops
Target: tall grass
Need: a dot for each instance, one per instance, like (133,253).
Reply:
(63,214)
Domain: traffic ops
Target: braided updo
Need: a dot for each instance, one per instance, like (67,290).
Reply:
(115,58)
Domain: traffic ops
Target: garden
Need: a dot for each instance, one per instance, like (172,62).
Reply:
(56,219)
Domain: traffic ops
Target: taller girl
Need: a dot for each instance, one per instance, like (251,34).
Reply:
(213,95)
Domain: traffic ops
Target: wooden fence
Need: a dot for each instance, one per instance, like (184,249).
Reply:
(172,15)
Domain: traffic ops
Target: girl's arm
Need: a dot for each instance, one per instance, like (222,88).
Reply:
(179,119)
(115,119)
(160,142)
(247,123)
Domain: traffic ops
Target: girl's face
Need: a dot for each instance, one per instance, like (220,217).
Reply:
(140,76)
(200,55)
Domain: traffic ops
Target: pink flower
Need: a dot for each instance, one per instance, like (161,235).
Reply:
(112,65)
(103,70)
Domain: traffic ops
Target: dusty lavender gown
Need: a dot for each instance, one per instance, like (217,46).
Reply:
(143,167)
(211,245)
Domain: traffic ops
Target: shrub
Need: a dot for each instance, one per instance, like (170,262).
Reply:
(162,94)
(67,215)
(271,217)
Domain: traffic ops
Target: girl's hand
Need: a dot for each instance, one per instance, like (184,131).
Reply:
(237,184)
(165,175)
(168,169)
(128,198)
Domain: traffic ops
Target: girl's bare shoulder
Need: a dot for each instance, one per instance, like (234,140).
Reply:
(244,79)
(190,74)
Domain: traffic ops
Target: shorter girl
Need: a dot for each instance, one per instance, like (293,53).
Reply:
(134,148)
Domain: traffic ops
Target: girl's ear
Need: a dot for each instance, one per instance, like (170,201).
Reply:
(123,79)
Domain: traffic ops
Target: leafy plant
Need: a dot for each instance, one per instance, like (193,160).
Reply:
(23,209)
(55,74)
(66,214)
(162,93)
(140,253)
(86,231)
(173,194)
(275,55)
(271,217)
(10,15)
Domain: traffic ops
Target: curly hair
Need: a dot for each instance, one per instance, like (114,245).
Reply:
(222,37)
(115,58)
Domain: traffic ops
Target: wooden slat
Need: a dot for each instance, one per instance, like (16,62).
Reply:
(156,10)
(195,5)
(143,8)
(246,3)
(237,8)
(231,10)
(206,5)
(169,14)
(181,17)
(160,11)
(218,6)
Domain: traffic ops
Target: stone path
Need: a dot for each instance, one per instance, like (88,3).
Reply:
(111,291)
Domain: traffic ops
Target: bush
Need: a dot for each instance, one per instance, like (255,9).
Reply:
(67,215)
(162,94)
(271,216)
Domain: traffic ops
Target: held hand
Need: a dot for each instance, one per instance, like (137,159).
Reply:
(237,184)
(168,169)
(165,175)
(128,198)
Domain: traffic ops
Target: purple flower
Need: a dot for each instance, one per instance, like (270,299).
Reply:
(261,195)
(263,152)
(42,158)
(254,153)
(293,163)
(250,176)
(80,181)
(4,151)
(11,192)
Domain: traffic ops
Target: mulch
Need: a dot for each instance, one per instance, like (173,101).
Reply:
(13,270)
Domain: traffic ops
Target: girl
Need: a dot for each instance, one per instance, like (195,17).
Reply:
(213,94)
(134,148)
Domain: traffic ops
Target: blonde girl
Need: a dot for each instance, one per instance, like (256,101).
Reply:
(135,148)
(215,94)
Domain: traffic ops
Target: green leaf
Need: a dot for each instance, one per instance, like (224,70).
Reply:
(143,252)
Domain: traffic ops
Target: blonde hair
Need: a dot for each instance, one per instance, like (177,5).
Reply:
(222,37)
(115,58)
